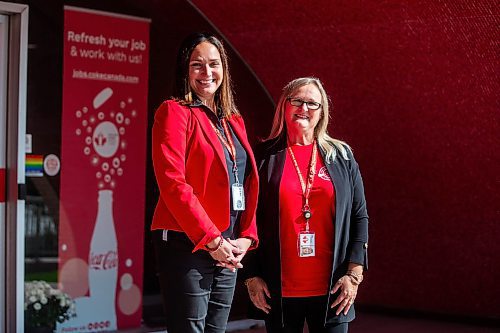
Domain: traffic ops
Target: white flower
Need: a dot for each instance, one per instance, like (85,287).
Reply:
(57,305)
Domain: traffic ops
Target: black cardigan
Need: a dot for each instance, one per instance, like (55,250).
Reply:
(351,224)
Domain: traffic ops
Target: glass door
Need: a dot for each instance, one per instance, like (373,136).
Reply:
(13,61)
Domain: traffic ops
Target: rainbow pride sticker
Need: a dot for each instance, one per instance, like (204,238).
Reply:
(34,165)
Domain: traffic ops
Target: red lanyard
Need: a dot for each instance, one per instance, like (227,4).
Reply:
(229,144)
(306,187)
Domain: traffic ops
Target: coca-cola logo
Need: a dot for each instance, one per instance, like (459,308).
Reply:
(106,260)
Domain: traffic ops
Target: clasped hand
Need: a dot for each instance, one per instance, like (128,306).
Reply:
(231,252)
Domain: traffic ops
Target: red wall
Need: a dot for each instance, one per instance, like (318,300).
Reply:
(415,91)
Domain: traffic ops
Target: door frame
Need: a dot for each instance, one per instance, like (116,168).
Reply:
(4,49)
(13,268)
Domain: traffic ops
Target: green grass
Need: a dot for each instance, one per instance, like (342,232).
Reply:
(50,276)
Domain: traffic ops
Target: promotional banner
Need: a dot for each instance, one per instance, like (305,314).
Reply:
(103,162)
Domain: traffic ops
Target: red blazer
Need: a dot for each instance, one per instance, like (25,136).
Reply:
(191,172)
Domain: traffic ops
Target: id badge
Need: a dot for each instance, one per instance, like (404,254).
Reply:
(238,197)
(306,244)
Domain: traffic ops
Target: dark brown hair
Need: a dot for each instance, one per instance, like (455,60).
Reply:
(182,90)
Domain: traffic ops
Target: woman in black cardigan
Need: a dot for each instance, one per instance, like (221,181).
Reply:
(311,218)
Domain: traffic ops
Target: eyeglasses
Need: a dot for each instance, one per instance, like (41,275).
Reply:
(298,102)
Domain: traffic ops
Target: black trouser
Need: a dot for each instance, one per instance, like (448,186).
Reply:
(197,294)
(297,310)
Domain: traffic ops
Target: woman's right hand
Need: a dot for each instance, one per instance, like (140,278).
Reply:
(257,289)
(226,254)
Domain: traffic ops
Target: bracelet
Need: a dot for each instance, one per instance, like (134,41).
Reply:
(356,278)
(221,241)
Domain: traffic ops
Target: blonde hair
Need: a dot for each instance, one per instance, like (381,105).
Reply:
(328,144)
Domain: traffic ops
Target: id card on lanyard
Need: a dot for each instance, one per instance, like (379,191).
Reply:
(238,196)
(237,190)
(306,240)
(306,244)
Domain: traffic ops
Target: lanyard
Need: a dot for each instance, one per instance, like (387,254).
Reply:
(229,144)
(306,187)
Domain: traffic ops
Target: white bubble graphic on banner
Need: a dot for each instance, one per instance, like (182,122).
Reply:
(73,278)
(126,281)
(119,118)
(105,131)
(129,300)
(94,160)
(102,97)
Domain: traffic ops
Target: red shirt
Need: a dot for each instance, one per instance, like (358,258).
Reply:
(307,276)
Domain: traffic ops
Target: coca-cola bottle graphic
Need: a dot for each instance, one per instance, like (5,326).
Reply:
(96,312)
(103,131)
(103,261)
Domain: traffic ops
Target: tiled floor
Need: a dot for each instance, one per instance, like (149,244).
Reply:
(368,322)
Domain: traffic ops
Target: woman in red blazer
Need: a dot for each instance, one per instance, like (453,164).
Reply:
(204,221)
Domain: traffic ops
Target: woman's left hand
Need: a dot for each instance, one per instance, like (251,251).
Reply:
(348,292)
